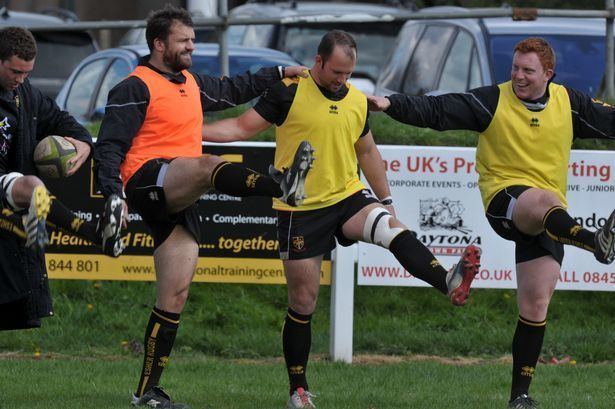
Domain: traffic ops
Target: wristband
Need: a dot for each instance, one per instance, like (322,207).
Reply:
(387,201)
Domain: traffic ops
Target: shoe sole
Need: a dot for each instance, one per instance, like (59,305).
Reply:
(609,228)
(302,163)
(42,204)
(116,226)
(470,264)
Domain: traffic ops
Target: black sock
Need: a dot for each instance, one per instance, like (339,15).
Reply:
(240,181)
(526,347)
(418,260)
(159,338)
(296,341)
(66,220)
(564,229)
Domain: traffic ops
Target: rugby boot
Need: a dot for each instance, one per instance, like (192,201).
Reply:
(300,399)
(460,277)
(34,220)
(292,179)
(522,402)
(157,398)
(109,227)
(604,241)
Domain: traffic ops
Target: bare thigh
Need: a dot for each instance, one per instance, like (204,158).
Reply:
(187,179)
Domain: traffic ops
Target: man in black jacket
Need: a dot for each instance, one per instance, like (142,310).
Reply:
(526,129)
(150,147)
(27,116)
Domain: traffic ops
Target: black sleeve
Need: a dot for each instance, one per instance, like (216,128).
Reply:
(124,116)
(366,127)
(472,110)
(53,121)
(591,118)
(222,93)
(276,101)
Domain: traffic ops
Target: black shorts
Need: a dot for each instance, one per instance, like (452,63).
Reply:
(144,193)
(311,233)
(527,247)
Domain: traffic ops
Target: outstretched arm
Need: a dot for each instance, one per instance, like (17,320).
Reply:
(376,103)
(240,128)
(372,166)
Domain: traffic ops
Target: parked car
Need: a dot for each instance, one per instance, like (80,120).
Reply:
(375,39)
(202,34)
(59,52)
(84,95)
(437,56)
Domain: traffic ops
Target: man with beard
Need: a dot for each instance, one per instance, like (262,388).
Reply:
(526,130)
(149,147)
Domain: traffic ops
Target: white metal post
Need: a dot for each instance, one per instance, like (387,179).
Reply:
(342,303)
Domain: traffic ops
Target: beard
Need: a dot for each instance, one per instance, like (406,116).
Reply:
(175,61)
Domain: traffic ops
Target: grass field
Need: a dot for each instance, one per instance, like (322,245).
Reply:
(228,350)
(207,383)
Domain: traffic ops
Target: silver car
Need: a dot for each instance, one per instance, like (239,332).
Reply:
(375,36)
(84,95)
(437,56)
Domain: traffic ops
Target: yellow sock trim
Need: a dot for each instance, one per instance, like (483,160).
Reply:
(297,320)
(220,166)
(165,318)
(532,323)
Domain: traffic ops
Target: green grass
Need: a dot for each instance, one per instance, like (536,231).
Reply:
(223,323)
(207,383)
(244,321)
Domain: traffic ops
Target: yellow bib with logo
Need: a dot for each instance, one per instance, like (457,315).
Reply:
(332,127)
(523,147)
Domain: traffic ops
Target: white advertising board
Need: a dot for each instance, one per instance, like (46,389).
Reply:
(436,195)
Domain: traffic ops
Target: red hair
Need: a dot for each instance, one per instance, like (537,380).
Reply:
(541,47)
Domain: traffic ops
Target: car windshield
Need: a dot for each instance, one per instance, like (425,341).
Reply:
(59,53)
(579,59)
(374,42)
(210,65)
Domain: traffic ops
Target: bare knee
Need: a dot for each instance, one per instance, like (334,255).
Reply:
(531,208)
(207,165)
(173,300)
(302,301)
(23,188)
(545,200)
(534,309)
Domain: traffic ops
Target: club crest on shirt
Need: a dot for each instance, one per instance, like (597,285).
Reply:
(251,180)
(298,243)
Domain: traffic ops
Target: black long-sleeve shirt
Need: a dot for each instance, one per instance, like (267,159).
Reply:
(26,117)
(127,108)
(473,110)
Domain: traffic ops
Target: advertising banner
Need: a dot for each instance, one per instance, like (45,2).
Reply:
(238,235)
(435,192)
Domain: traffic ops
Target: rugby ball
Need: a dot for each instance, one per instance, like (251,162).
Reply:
(51,156)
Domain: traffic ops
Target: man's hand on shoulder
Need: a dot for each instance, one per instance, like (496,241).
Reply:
(378,103)
(295,71)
